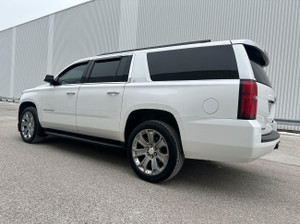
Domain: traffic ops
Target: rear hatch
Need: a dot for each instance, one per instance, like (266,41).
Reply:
(265,94)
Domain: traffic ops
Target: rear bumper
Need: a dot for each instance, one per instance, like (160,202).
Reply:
(226,140)
(273,136)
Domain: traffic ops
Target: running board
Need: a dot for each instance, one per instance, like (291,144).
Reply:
(84,138)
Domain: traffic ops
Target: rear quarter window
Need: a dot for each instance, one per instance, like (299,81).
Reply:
(104,71)
(215,62)
(260,74)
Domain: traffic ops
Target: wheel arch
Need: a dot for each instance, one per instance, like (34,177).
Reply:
(23,106)
(138,116)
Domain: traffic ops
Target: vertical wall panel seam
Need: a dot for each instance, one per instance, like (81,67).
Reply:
(5,62)
(13,61)
(128,24)
(50,44)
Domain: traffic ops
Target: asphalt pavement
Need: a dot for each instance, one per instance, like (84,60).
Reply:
(65,181)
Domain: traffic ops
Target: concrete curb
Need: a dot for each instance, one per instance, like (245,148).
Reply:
(10,100)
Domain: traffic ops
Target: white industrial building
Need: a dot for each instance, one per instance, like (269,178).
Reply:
(45,46)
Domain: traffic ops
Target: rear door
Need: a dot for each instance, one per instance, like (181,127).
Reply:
(100,98)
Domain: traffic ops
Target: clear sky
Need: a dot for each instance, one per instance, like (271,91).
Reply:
(15,12)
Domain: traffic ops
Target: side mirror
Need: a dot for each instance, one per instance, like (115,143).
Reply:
(50,79)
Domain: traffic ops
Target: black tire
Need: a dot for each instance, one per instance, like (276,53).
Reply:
(173,149)
(37,132)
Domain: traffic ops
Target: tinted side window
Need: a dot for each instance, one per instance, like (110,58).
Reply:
(72,75)
(123,70)
(216,62)
(104,71)
(260,74)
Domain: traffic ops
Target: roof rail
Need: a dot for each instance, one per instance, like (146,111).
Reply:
(167,45)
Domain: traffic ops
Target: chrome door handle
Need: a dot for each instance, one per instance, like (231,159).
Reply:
(71,93)
(113,93)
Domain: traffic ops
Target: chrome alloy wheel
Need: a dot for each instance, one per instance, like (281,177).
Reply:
(150,152)
(27,125)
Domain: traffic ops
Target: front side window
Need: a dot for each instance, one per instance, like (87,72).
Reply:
(72,75)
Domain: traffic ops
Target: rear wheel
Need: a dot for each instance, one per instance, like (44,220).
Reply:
(30,128)
(154,151)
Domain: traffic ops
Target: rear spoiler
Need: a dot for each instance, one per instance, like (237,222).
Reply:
(254,51)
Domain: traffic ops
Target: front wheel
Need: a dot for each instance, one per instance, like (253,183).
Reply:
(30,128)
(155,151)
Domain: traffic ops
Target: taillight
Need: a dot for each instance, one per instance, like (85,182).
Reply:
(247,100)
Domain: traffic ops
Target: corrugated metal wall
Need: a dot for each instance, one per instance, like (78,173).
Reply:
(273,24)
(85,31)
(5,61)
(31,55)
(49,44)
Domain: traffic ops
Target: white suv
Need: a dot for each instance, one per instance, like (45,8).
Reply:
(204,100)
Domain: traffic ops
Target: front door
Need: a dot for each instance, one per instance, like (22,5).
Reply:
(59,101)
